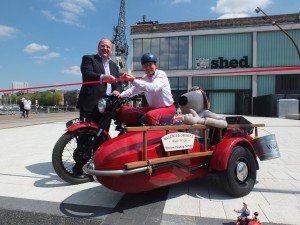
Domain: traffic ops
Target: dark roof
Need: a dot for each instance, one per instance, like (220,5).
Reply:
(214,24)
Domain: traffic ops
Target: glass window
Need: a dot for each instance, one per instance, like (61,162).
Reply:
(183,52)
(172,52)
(164,53)
(173,83)
(137,53)
(182,83)
(178,83)
(146,46)
(155,46)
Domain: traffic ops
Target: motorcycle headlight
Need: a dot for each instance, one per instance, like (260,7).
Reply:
(102,105)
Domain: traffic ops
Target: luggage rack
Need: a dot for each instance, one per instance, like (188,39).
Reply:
(168,158)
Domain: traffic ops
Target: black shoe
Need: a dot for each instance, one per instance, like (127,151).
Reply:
(77,170)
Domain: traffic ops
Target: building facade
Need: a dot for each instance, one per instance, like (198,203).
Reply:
(233,60)
(20,84)
(71,98)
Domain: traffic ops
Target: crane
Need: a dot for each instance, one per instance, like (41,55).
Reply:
(119,39)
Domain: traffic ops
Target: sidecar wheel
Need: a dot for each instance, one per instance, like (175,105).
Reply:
(68,157)
(240,176)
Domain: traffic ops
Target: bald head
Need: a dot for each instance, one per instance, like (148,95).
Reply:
(105,48)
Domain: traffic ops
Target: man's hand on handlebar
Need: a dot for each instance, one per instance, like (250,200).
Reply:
(115,93)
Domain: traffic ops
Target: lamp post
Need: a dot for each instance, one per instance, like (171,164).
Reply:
(257,10)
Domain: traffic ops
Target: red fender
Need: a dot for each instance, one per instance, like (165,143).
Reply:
(77,126)
(222,152)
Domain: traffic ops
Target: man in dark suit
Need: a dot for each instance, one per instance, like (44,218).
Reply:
(96,68)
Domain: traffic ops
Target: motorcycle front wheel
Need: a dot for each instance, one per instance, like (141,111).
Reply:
(72,151)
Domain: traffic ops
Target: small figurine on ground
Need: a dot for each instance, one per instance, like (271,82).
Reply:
(255,220)
(245,215)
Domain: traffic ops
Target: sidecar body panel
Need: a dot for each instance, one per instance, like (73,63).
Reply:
(115,153)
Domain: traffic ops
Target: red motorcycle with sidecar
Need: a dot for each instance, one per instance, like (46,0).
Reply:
(150,157)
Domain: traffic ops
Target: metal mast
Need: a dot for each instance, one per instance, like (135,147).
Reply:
(119,38)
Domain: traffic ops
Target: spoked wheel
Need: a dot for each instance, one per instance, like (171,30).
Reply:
(71,152)
(240,176)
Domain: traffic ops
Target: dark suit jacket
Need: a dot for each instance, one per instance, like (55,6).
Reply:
(91,69)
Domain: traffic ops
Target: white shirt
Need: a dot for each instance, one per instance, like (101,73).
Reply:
(157,89)
(27,104)
(107,72)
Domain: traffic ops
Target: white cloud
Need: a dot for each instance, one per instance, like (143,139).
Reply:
(76,6)
(51,55)
(49,15)
(180,1)
(233,15)
(238,8)
(39,62)
(7,32)
(70,11)
(73,70)
(34,47)
(40,59)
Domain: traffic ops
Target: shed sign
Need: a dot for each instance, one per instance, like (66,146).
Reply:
(222,63)
(178,141)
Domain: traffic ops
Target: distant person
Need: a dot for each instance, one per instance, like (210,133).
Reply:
(156,87)
(22,108)
(96,68)
(27,106)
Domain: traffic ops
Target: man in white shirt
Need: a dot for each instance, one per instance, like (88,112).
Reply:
(156,87)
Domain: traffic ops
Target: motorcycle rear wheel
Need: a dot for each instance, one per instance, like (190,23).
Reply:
(68,156)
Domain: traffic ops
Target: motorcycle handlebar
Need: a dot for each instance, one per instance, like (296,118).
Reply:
(134,98)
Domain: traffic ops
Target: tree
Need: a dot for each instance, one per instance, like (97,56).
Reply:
(46,98)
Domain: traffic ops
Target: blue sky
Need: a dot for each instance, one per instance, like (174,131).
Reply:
(42,41)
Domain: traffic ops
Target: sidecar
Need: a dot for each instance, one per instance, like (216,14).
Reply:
(151,157)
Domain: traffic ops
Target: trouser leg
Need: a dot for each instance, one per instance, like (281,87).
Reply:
(156,116)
